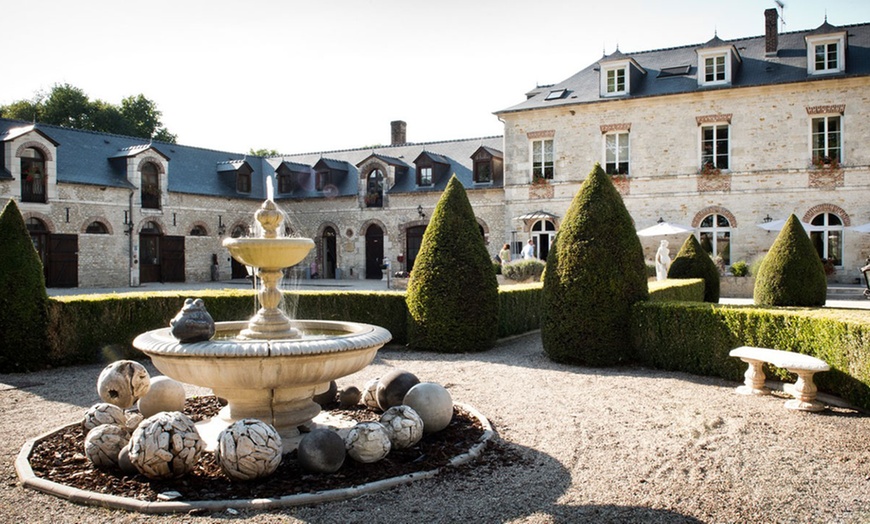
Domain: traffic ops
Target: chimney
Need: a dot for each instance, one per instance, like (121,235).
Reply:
(771,32)
(397,136)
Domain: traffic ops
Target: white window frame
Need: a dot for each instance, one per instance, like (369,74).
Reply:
(713,54)
(618,137)
(715,153)
(826,40)
(828,232)
(426,176)
(715,231)
(552,160)
(825,151)
(615,68)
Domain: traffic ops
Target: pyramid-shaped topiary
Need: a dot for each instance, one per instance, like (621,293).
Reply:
(595,272)
(792,273)
(693,262)
(23,300)
(453,292)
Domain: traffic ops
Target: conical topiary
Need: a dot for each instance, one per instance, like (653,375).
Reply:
(595,272)
(453,292)
(693,262)
(23,300)
(792,273)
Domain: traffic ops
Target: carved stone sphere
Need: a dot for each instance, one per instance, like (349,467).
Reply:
(349,397)
(133,421)
(321,451)
(103,443)
(393,386)
(193,323)
(122,383)
(367,442)
(433,403)
(328,396)
(404,426)
(248,449)
(370,394)
(165,446)
(165,394)
(103,413)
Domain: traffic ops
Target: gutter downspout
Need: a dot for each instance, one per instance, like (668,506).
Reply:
(134,279)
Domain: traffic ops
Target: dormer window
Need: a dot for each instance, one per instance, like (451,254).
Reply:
(718,62)
(488,165)
(243,179)
(619,75)
(431,168)
(150,186)
(826,50)
(714,69)
(329,175)
(616,81)
(33,176)
(424,177)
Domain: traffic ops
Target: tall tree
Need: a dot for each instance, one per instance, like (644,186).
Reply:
(67,106)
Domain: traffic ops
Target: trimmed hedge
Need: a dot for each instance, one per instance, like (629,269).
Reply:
(519,309)
(522,270)
(696,338)
(693,262)
(682,289)
(792,273)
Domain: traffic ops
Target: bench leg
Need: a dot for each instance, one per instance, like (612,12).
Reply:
(754,379)
(805,393)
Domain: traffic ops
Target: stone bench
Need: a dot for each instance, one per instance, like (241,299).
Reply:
(804,366)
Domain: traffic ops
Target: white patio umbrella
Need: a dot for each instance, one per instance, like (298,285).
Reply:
(777,225)
(664,228)
(863,228)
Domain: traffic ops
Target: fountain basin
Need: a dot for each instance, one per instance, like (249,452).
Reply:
(270,380)
(270,253)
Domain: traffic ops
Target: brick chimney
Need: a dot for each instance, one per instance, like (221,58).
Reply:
(771,32)
(397,136)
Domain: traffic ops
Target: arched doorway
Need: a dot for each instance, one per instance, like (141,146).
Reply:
(329,254)
(414,239)
(543,232)
(237,269)
(374,252)
(714,235)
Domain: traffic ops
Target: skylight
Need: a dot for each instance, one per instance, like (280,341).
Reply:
(556,94)
(674,71)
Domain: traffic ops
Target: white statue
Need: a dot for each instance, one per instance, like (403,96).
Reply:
(663,261)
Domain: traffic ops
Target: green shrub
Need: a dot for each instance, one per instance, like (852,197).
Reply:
(23,300)
(792,273)
(496,266)
(595,271)
(740,269)
(683,290)
(693,262)
(522,270)
(453,293)
(519,309)
(755,264)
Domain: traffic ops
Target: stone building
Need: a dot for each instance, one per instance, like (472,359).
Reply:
(723,137)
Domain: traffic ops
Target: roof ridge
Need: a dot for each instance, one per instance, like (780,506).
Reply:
(373,148)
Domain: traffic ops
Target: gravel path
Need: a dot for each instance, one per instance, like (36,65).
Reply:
(596,445)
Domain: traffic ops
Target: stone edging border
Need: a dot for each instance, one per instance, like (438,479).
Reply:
(30,480)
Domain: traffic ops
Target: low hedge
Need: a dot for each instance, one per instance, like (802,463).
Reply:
(519,309)
(696,338)
(682,289)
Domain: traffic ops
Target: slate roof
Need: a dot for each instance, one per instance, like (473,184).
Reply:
(788,66)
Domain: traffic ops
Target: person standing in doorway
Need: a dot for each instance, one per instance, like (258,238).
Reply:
(529,250)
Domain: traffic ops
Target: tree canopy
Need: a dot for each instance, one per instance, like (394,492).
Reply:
(68,106)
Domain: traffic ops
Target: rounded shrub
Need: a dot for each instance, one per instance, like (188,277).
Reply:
(452,295)
(693,262)
(522,270)
(740,268)
(792,273)
(23,300)
(595,272)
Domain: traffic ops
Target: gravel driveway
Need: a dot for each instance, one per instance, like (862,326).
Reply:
(580,445)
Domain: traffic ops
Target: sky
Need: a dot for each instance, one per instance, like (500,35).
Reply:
(302,76)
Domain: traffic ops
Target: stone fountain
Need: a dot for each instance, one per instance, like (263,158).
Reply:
(270,367)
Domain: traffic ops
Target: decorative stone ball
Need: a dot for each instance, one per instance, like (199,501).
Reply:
(367,442)
(124,461)
(133,421)
(103,413)
(122,383)
(349,397)
(328,396)
(433,403)
(370,394)
(248,449)
(404,426)
(103,443)
(393,386)
(321,451)
(193,323)
(165,394)
(165,446)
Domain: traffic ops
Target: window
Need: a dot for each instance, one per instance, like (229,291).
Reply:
(827,140)
(33,180)
(827,237)
(826,57)
(150,186)
(715,237)
(616,153)
(198,231)
(375,189)
(322,180)
(285,183)
(616,81)
(714,69)
(425,176)
(483,171)
(714,147)
(542,159)
(826,53)
(97,228)
(243,179)
(556,94)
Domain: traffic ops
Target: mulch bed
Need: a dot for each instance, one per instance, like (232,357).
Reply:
(60,458)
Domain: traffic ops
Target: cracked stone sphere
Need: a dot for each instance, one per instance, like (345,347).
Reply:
(321,451)
(370,394)
(104,443)
(165,446)
(103,413)
(133,421)
(164,394)
(433,403)
(122,383)
(404,426)
(248,449)
(367,442)
(393,386)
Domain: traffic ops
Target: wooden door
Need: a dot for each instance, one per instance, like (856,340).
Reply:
(374,252)
(172,259)
(149,258)
(62,264)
